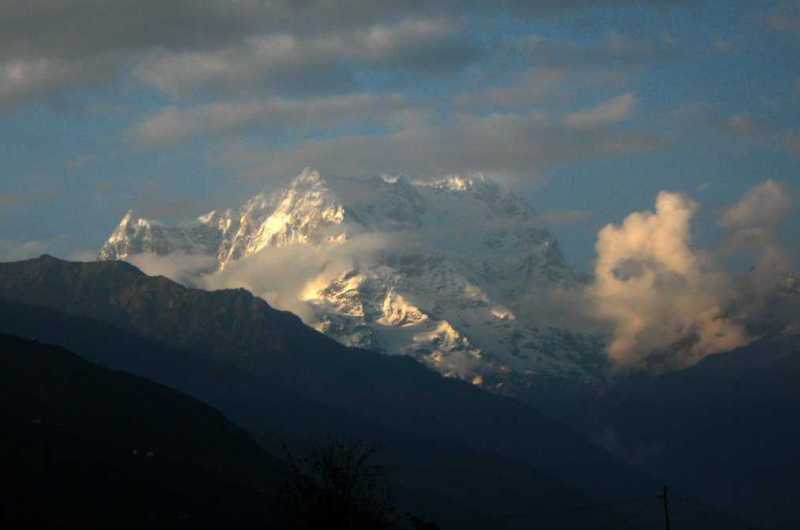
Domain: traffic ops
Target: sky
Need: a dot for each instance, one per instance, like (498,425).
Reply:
(587,108)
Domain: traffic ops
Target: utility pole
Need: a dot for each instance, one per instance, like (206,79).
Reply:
(665,499)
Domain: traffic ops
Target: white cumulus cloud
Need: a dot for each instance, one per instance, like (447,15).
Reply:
(665,300)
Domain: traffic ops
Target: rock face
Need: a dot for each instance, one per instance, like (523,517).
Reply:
(447,271)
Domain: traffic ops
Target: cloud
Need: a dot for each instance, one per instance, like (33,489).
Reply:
(27,199)
(753,229)
(82,27)
(755,219)
(280,115)
(612,111)
(668,304)
(286,276)
(313,63)
(520,145)
(792,143)
(80,161)
(541,85)
(530,87)
(760,131)
(19,250)
(614,51)
(239,47)
(178,266)
(82,255)
(666,301)
(783,18)
(754,223)
(22,79)
(566,217)
(278,62)
(183,46)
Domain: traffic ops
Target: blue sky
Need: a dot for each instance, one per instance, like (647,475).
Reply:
(588,108)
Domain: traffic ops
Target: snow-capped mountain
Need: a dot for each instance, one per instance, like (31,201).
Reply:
(442,270)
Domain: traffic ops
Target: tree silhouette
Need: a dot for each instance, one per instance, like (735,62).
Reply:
(335,485)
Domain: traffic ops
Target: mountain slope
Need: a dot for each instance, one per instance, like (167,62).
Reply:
(395,393)
(443,480)
(83,446)
(725,428)
(445,271)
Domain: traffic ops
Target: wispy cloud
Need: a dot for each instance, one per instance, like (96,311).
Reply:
(615,50)
(566,217)
(27,199)
(18,250)
(520,145)
(763,131)
(174,124)
(321,63)
(184,46)
(783,18)
(614,110)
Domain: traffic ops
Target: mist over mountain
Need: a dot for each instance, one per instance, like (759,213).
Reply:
(462,274)
(454,272)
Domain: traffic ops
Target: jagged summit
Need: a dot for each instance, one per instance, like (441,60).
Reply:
(442,270)
(474,182)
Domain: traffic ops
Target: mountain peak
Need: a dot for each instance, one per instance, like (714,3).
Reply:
(463,182)
(127,217)
(45,258)
(308,178)
(439,270)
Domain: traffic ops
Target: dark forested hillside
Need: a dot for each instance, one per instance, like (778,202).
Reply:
(86,447)
(725,428)
(271,373)
(458,454)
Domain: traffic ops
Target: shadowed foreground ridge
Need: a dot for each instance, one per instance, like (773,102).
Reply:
(459,455)
(86,447)
(243,331)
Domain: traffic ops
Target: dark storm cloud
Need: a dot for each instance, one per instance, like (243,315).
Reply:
(66,28)
(48,45)
(313,63)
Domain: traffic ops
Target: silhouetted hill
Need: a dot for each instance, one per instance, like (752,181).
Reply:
(86,447)
(271,373)
(725,429)
(427,476)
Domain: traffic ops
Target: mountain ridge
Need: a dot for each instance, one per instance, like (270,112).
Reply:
(271,371)
(279,350)
(444,271)
(87,447)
